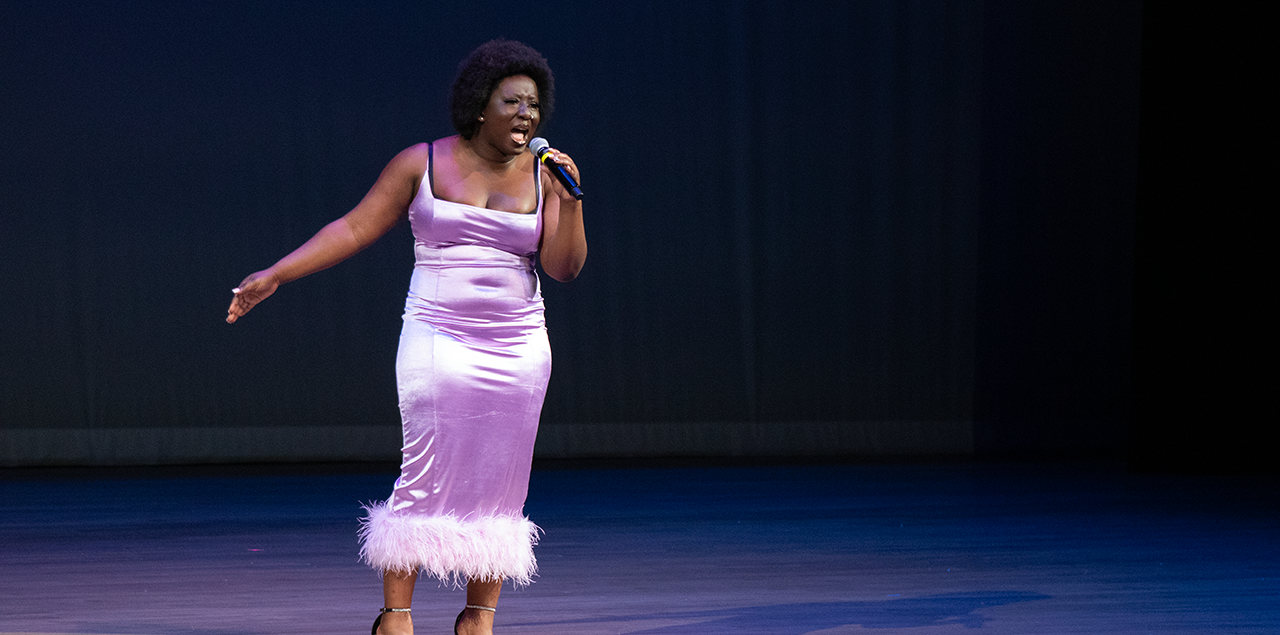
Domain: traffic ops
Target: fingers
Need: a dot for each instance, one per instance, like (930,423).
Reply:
(559,157)
(241,302)
(237,307)
(565,161)
(240,305)
(252,290)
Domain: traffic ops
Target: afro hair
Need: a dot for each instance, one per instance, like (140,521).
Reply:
(481,72)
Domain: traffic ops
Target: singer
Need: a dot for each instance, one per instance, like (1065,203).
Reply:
(474,359)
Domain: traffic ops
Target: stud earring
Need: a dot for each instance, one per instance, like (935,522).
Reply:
(481,118)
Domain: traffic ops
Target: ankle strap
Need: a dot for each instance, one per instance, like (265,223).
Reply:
(387,610)
(482,608)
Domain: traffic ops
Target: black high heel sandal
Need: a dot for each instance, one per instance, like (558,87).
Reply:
(378,620)
(464,612)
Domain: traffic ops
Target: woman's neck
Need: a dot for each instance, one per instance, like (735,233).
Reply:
(483,153)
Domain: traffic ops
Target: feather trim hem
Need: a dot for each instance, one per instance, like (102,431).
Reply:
(448,548)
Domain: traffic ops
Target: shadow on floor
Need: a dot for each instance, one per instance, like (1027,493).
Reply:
(796,619)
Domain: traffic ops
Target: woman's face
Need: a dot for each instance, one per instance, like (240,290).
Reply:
(511,116)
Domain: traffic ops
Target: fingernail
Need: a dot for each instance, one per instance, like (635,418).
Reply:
(236,290)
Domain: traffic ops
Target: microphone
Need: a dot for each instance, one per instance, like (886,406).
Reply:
(540,148)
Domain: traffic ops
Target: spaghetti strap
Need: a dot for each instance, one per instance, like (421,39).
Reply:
(537,186)
(431,160)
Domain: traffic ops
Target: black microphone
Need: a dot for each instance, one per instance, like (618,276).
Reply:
(540,148)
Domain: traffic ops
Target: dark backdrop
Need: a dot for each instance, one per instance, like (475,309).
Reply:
(797,211)
(1204,396)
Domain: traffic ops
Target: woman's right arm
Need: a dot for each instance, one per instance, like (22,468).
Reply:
(385,204)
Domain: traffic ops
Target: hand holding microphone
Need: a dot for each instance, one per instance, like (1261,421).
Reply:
(542,150)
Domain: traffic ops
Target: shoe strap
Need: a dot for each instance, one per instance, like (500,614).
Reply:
(482,608)
(387,610)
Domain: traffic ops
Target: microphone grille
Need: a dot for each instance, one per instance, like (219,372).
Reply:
(538,145)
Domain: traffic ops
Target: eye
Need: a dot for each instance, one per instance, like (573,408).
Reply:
(534,105)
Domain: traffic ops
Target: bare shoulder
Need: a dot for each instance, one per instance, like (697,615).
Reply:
(447,142)
(445,145)
(412,160)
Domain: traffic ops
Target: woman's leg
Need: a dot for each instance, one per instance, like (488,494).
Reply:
(397,593)
(480,621)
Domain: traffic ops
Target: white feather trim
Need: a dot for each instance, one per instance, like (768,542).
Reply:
(448,548)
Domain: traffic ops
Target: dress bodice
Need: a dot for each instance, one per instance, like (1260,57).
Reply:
(445,230)
(473,266)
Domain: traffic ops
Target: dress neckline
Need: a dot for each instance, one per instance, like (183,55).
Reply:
(431,189)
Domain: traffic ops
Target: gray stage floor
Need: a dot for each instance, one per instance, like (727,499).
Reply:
(829,549)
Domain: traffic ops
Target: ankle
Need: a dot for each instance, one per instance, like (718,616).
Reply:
(395,623)
(474,619)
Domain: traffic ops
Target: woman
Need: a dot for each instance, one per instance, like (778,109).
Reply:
(473,361)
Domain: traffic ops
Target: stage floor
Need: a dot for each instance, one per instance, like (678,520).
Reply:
(1031,548)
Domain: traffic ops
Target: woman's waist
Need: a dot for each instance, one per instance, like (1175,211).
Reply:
(491,319)
(474,294)
(468,255)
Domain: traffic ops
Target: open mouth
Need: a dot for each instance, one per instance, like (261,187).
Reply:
(520,135)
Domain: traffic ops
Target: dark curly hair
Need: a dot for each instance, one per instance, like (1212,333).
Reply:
(481,72)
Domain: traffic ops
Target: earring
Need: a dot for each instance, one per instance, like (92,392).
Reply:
(481,118)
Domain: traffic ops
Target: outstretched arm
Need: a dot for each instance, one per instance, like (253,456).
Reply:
(384,205)
(564,240)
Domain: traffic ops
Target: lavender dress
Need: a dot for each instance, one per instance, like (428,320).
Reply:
(472,371)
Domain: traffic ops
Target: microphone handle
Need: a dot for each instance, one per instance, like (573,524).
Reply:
(563,176)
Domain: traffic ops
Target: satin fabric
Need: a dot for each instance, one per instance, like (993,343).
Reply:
(471,371)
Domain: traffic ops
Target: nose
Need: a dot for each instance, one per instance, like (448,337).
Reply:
(525,111)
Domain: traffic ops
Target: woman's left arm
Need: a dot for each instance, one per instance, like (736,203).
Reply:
(564,241)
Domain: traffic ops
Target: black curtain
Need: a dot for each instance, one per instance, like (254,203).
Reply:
(797,211)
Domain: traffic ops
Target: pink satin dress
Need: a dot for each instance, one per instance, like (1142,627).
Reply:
(472,370)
